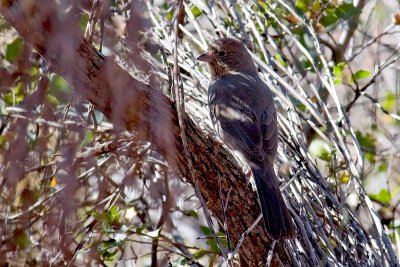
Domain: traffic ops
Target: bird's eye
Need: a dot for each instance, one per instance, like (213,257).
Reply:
(221,53)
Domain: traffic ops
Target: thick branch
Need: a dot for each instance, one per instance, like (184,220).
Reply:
(133,105)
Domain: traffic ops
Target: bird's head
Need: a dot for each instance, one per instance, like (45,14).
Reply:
(227,55)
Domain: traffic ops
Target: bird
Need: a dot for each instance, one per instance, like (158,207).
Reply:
(244,116)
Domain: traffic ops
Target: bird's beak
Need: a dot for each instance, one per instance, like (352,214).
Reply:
(206,57)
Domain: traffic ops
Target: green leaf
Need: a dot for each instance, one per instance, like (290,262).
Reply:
(16,95)
(105,248)
(344,177)
(338,72)
(3,24)
(210,241)
(366,141)
(107,244)
(58,84)
(9,99)
(84,21)
(89,137)
(59,88)
(34,72)
(205,229)
(360,74)
(303,5)
(316,6)
(383,196)
(329,17)
(326,156)
(346,11)
(370,157)
(113,215)
(184,261)
(199,254)
(383,167)
(14,50)
(301,107)
(21,239)
(192,213)
(319,148)
(52,100)
(141,228)
(280,59)
(390,101)
(196,11)
(169,15)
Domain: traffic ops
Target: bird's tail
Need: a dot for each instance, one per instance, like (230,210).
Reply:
(278,221)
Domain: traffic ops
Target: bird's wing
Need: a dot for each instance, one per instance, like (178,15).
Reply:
(269,129)
(235,114)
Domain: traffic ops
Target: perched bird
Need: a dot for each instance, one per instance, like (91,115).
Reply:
(244,116)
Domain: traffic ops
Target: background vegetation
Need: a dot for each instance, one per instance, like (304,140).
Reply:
(104,163)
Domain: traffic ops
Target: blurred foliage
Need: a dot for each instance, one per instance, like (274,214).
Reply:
(52,195)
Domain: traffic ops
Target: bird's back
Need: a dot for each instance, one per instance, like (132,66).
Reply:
(241,106)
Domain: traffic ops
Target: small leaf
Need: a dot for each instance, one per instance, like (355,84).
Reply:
(34,72)
(21,239)
(383,196)
(319,148)
(107,244)
(199,254)
(194,214)
(84,21)
(346,11)
(326,156)
(169,15)
(141,229)
(106,254)
(383,167)
(338,72)
(205,229)
(329,17)
(196,11)
(52,100)
(58,84)
(370,157)
(361,74)
(9,98)
(184,261)
(89,137)
(303,5)
(53,181)
(344,177)
(280,59)
(316,6)
(301,107)
(15,96)
(14,50)
(390,101)
(60,89)
(366,141)
(3,24)
(113,215)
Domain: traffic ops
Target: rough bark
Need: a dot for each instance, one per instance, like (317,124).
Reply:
(133,105)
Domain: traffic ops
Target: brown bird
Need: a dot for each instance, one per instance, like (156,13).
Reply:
(244,116)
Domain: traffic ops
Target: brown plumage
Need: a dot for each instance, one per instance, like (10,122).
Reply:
(244,116)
